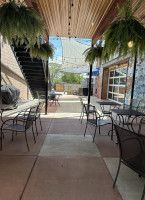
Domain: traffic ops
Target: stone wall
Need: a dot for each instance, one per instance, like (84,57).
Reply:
(139,87)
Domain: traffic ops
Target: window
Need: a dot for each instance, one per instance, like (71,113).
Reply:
(116,84)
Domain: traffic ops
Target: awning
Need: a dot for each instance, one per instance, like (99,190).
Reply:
(73,60)
(95,72)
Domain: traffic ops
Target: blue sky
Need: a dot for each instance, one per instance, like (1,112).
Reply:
(56,41)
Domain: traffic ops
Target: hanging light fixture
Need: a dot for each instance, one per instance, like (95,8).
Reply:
(130,44)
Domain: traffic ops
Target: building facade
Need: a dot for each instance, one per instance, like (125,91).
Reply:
(115,80)
(11,73)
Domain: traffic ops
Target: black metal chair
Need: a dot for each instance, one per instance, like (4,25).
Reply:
(53,98)
(83,109)
(106,112)
(19,125)
(38,115)
(132,152)
(97,120)
(35,114)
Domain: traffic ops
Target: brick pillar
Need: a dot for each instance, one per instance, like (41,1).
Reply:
(105,83)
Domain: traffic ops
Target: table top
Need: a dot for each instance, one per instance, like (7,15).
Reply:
(4,106)
(127,112)
(108,103)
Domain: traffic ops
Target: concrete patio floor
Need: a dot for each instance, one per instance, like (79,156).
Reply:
(63,164)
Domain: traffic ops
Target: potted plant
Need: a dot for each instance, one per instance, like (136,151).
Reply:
(68,91)
(93,53)
(126,34)
(17,21)
(43,51)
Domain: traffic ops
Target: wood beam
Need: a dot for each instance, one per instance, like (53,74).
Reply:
(108,18)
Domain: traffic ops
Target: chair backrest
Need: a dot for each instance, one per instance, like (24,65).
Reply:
(31,114)
(81,100)
(40,106)
(91,112)
(131,144)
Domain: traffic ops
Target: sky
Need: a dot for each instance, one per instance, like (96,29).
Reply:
(56,41)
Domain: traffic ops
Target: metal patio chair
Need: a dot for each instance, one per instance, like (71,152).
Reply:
(83,109)
(132,152)
(38,115)
(35,114)
(97,120)
(53,98)
(19,125)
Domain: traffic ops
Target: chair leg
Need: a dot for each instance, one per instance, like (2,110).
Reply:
(143,194)
(99,129)
(33,134)
(112,132)
(12,136)
(26,141)
(117,173)
(86,129)
(40,123)
(1,140)
(95,133)
(36,127)
(139,129)
(82,117)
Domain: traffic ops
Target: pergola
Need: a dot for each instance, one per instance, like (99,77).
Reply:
(79,18)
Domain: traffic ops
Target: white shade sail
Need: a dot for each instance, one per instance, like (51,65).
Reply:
(73,60)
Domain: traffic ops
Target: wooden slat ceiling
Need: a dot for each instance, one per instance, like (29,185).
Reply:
(83,13)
